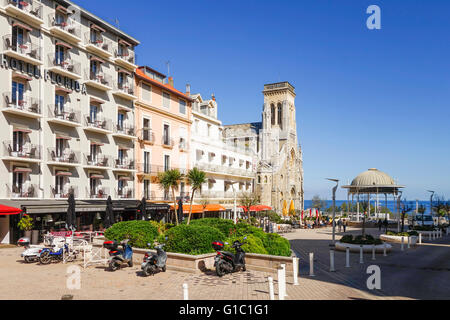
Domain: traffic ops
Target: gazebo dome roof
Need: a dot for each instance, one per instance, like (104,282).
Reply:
(373,177)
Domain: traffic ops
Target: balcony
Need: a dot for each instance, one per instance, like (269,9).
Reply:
(205,111)
(67,68)
(126,59)
(25,152)
(145,169)
(148,136)
(66,158)
(98,193)
(99,124)
(28,51)
(100,81)
(124,193)
(100,46)
(64,193)
(69,30)
(226,170)
(124,164)
(183,145)
(125,91)
(27,10)
(23,106)
(68,117)
(97,161)
(221,194)
(25,191)
(168,143)
(124,131)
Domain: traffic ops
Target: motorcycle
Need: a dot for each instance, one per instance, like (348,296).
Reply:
(31,253)
(154,263)
(227,262)
(48,255)
(119,257)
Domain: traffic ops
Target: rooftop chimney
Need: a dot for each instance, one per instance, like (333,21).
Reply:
(170,81)
(213,97)
(188,89)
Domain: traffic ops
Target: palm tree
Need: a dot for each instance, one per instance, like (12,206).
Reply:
(170,180)
(196,179)
(422,209)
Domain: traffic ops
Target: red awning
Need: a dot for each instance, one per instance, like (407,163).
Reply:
(124,71)
(97,100)
(22,170)
(93,58)
(22,129)
(21,76)
(98,28)
(121,41)
(60,43)
(124,178)
(23,26)
(64,90)
(257,208)
(97,176)
(63,174)
(8,211)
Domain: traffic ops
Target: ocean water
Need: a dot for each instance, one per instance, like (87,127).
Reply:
(390,204)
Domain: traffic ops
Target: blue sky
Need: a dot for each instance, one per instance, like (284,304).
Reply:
(365,98)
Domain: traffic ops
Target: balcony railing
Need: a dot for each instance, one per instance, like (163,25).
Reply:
(31,7)
(99,42)
(99,77)
(226,169)
(28,48)
(24,191)
(99,193)
(69,25)
(65,192)
(148,135)
(167,142)
(126,88)
(98,123)
(68,65)
(221,194)
(124,193)
(98,160)
(127,55)
(124,163)
(145,168)
(22,103)
(125,129)
(68,114)
(23,151)
(67,156)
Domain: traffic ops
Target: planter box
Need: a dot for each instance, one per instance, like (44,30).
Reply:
(398,239)
(267,263)
(355,248)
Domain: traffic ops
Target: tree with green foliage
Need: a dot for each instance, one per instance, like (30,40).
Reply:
(422,209)
(170,180)
(26,223)
(196,179)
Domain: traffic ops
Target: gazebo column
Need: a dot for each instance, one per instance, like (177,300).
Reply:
(386,205)
(357,207)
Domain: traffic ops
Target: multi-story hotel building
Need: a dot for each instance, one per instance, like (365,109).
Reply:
(163,122)
(67,105)
(230,168)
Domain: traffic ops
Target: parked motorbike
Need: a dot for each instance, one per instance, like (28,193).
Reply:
(227,262)
(31,253)
(54,254)
(119,257)
(154,263)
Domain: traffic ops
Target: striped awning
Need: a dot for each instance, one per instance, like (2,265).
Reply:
(96,27)
(62,135)
(96,142)
(123,147)
(61,8)
(124,178)
(124,71)
(63,90)
(63,174)
(22,170)
(94,58)
(97,100)
(23,26)
(23,129)
(97,176)
(121,41)
(63,44)
(21,76)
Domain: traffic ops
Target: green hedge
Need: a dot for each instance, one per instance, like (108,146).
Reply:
(276,245)
(360,240)
(403,234)
(252,244)
(139,232)
(192,239)
(227,227)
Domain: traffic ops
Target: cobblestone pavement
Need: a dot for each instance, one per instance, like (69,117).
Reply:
(32,281)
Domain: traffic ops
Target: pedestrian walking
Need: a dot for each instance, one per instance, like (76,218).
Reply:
(345,226)
(380,224)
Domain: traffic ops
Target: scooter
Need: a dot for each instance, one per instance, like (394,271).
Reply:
(31,253)
(46,255)
(227,262)
(119,257)
(154,263)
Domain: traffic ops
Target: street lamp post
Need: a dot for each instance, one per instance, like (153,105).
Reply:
(431,202)
(334,209)
(399,199)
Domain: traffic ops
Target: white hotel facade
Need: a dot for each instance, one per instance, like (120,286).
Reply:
(67,103)
(231,170)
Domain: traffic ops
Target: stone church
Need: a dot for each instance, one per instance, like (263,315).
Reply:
(275,143)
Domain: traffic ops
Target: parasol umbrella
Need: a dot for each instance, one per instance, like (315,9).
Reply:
(180,211)
(292,208)
(71,215)
(285,210)
(142,209)
(109,215)
(303,214)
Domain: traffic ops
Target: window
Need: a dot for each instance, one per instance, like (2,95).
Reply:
(146,92)
(166,163)
(166,100)
(17,182)
(146,162)
(18,90)
(280,115)
(59,184)
(166,135)
(147,189)
(93,113)
(120,121)
(60,146)
(18,141)
(272,114)
(59,55)
(59,105)
(182,106)
(146,129)
(94,152)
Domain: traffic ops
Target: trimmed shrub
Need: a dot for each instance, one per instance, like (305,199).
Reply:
(139,232)
(360,240)
(276,245)
(402,234)
(252,244)
(227,227)
(192,239)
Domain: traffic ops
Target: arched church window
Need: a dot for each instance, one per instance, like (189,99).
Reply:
(280,115)
(273,114)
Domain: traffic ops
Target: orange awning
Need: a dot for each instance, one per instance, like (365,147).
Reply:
(198,208)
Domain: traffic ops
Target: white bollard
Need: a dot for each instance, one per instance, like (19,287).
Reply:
(361,255)
(409,242)
(311,264)
(440,233)
(385,250)
(403,244)
(373,253)
(332,269)
(430,234)
(283,266)
(185,291)
(271,292)
(280,284)
(295,267)
(420,238)
(347,258)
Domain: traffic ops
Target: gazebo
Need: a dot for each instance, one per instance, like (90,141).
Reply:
(372,182)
